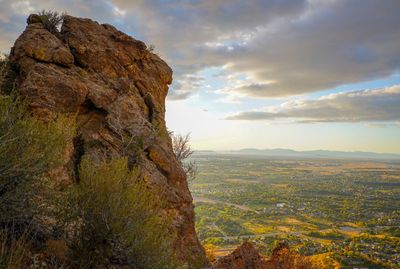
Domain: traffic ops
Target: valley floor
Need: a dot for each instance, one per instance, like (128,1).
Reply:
(348,210)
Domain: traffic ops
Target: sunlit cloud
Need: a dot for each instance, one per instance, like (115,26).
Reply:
(378,105)
(302,46)
(119,12)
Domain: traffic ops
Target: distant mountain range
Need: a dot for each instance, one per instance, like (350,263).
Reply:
(309,153)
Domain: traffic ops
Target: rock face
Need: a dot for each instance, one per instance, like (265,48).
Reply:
(283,258)
(244,257)
(116,88)
(247,256)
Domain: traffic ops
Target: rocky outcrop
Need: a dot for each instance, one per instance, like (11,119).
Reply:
(282,257)
(116,88)
(246,256)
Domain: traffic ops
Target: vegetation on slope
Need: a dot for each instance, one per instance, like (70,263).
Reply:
(116,219)
(110,217)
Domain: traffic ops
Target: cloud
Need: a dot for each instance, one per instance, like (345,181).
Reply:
(340,43)
(282,47)
(383,125)
(194,35)
(176,95)
(185,86)
(379,105)
(257,90)
(300,46)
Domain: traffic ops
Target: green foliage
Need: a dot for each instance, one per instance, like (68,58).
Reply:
(369,251)
(393,231)
(7,75)
(115,219)
(51,19)
(4,64)
(334,235)
(28,149)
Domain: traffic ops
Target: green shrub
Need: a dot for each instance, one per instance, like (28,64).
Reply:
(51,20)
(28,149)
(4,66)
(7,75)
(114,218)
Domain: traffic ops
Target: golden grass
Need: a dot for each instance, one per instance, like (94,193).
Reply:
(257,228)
(324,261)
(284,229)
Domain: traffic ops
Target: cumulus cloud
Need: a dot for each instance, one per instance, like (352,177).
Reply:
(256,90)
(340,43)
(193,35)
(283,48)
(378,105)
(185,86)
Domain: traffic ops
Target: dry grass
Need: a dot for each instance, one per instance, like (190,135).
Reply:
(257,228)
(13,250)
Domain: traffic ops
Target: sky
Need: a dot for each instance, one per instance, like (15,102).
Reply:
(299,74)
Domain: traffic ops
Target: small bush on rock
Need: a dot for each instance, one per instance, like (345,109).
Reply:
(51,20)
(183,151)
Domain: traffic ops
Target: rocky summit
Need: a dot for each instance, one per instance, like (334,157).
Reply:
(116,89)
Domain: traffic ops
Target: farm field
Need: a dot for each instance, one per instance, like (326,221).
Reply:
(348,210)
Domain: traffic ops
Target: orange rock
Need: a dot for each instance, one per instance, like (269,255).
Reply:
(245,256)
(116,87)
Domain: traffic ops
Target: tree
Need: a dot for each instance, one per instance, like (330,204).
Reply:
(183,151)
